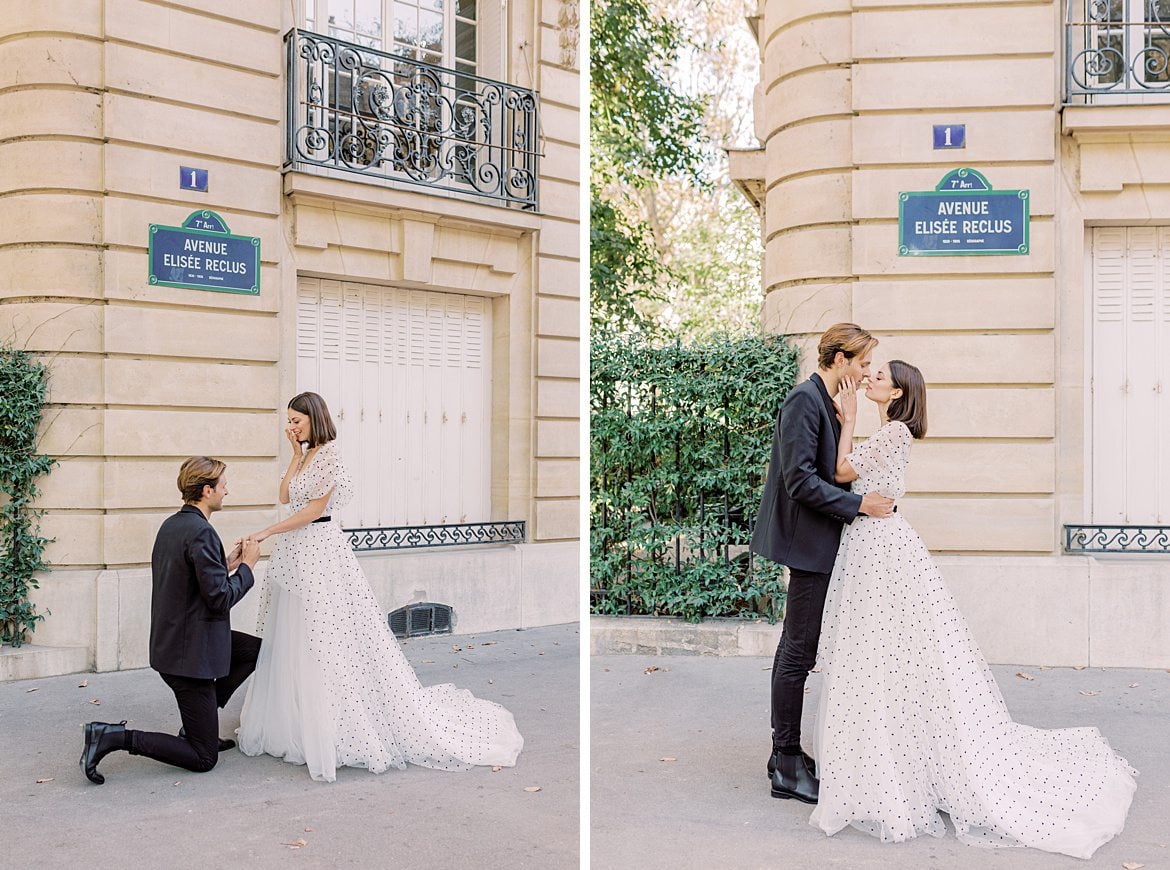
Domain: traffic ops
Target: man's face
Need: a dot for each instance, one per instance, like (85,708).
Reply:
(858,368)
(213,496)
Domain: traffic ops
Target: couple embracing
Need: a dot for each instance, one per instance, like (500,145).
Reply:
(332,686)
(910,721)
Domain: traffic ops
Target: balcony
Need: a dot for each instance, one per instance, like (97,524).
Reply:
(1117,51)
(400,121)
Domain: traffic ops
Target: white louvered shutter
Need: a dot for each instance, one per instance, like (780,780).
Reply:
(1131,360)
(408,380)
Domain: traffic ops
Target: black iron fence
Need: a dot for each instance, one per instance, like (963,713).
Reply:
(680,438)
(365,111)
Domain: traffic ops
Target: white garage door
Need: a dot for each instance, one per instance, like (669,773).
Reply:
(1131,372)
(407,377)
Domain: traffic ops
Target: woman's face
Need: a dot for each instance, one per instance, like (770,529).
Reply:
(881,389)
(301,426)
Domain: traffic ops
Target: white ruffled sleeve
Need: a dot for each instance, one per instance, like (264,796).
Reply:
(327,472)
(886,451)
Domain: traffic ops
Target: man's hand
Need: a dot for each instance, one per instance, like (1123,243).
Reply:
(251,552)
(233,559)
(874,504)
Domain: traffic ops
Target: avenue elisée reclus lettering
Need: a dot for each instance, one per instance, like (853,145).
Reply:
(205,255)
(948,223)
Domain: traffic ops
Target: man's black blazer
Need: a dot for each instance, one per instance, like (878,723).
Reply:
(802,509)
(190,632)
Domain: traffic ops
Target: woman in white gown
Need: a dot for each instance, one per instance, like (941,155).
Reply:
(911,721)
(332,686)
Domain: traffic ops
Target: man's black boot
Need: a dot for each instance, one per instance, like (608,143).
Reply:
(808,762)
(101,738)
(791,779)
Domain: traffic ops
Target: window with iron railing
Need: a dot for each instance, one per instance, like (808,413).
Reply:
(1117,51)
(396,90)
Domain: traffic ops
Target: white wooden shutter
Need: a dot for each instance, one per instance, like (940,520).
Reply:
(1131,360)
(407,378)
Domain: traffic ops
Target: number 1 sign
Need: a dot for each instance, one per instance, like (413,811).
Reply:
(192,179)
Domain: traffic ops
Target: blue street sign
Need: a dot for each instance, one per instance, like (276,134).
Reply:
(963,216)
(203,255)
(950,136)
(192,179)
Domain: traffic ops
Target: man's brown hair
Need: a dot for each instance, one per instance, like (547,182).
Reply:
(320,423)
(196,473)
(848,338)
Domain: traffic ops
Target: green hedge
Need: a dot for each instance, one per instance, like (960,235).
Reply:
(22,399)
(680,438)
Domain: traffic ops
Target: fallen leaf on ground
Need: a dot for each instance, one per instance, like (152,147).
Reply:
(428,661)
(308,830)
(457,648)
(95,702)
(297,844)
(668,758)
(176,782)
(83,684)
(1024,676)
(605,670)
(46,779)
(488,643)
(497,769)
(33,689)
(491,682)
(1090,693)
(532,788)
(650,669)
(1078,667)
(1134,685)
(1132,865)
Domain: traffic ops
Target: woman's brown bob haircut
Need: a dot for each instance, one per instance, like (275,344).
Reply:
(910,407)
(196,473)
(848,338)
(321,428)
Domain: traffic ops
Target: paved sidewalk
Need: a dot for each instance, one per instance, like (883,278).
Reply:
(710,808)
(246,811)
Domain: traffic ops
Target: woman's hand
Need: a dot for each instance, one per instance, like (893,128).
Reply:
(847,401)
(292,439)
(258,537)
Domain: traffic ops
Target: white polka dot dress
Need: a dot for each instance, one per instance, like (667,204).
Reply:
(911,720)
(332,687)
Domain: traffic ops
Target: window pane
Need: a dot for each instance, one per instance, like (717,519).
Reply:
(430,31)
(310,14)
(345,14)
(464,40)
(405,23)
(465,8)
(369,19)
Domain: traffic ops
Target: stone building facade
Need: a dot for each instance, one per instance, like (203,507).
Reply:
(412,175)
(1046,371)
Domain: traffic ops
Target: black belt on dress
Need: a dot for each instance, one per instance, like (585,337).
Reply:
(324,519)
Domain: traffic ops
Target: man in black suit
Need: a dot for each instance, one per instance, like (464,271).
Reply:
(192,645)
(799,525)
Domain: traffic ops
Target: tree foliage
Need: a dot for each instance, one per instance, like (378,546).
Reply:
(22,398)
(642,131)
(680,438)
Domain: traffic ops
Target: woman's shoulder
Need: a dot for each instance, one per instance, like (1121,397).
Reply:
(898,430)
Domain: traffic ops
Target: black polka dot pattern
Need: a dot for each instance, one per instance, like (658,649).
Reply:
(332,686)
(911,721)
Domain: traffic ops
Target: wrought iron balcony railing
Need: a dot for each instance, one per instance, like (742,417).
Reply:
(1116,539)
(450,535)
(382,116)
(1117,47)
